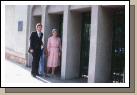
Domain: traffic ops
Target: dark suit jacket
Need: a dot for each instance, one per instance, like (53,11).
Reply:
(35,41)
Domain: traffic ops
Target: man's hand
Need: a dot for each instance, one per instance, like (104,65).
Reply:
(31,50)
(42,47)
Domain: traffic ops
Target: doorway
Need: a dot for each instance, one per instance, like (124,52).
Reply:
(55,20)
(35,20)
(60,34)
(85,43)
(118,46)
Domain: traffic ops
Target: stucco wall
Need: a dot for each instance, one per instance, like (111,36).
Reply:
(55,8)
(15,40)
(9,27)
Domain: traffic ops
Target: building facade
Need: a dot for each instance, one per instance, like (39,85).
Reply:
(92,37)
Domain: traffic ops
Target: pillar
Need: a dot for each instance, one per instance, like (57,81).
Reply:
(29,19)
(71,44)
(100,46)
(43,20)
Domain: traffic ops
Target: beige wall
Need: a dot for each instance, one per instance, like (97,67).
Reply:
(9,26)
(15,40)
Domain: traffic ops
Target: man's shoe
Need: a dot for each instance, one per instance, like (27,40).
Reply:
(34,75)
(39,75)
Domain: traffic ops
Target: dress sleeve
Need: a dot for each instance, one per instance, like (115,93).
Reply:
(48,45)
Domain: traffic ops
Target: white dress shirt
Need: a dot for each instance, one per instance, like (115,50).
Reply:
(39,34)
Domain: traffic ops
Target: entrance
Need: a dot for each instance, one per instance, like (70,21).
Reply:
(76,47)
(55,20)
(85,40)
(118,46)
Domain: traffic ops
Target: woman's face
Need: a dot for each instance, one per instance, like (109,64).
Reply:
(54,34)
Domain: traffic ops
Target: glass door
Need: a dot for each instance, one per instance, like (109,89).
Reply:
(85,40)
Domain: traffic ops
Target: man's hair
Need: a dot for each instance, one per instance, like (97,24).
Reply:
(38,24)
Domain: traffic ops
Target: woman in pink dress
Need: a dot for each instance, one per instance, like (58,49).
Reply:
(54,51)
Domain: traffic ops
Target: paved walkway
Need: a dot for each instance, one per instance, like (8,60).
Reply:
(16,74)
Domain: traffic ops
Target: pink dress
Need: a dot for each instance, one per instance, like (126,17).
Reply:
(54,48)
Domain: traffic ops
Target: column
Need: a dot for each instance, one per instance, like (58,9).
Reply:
(64,42)
(43,20)
(71,44)
(100,46)
(29,19)
(93,46)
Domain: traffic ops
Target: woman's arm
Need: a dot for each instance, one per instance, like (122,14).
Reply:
(48,46)
(60,47)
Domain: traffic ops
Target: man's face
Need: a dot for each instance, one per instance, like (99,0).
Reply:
(39,28)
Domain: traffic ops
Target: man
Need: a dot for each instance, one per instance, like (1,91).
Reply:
(35,48)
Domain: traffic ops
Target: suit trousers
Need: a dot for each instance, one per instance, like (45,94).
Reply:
(35,62)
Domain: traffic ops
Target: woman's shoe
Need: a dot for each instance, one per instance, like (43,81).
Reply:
(47,75)
(53,75)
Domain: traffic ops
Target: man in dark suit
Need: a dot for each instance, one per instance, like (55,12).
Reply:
(35,47)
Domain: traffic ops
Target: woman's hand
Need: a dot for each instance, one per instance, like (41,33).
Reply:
(42,46)
(59,54)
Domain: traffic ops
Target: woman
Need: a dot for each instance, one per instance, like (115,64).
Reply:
(54,51)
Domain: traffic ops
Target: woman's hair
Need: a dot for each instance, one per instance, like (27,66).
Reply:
(54,30)
(38,24)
